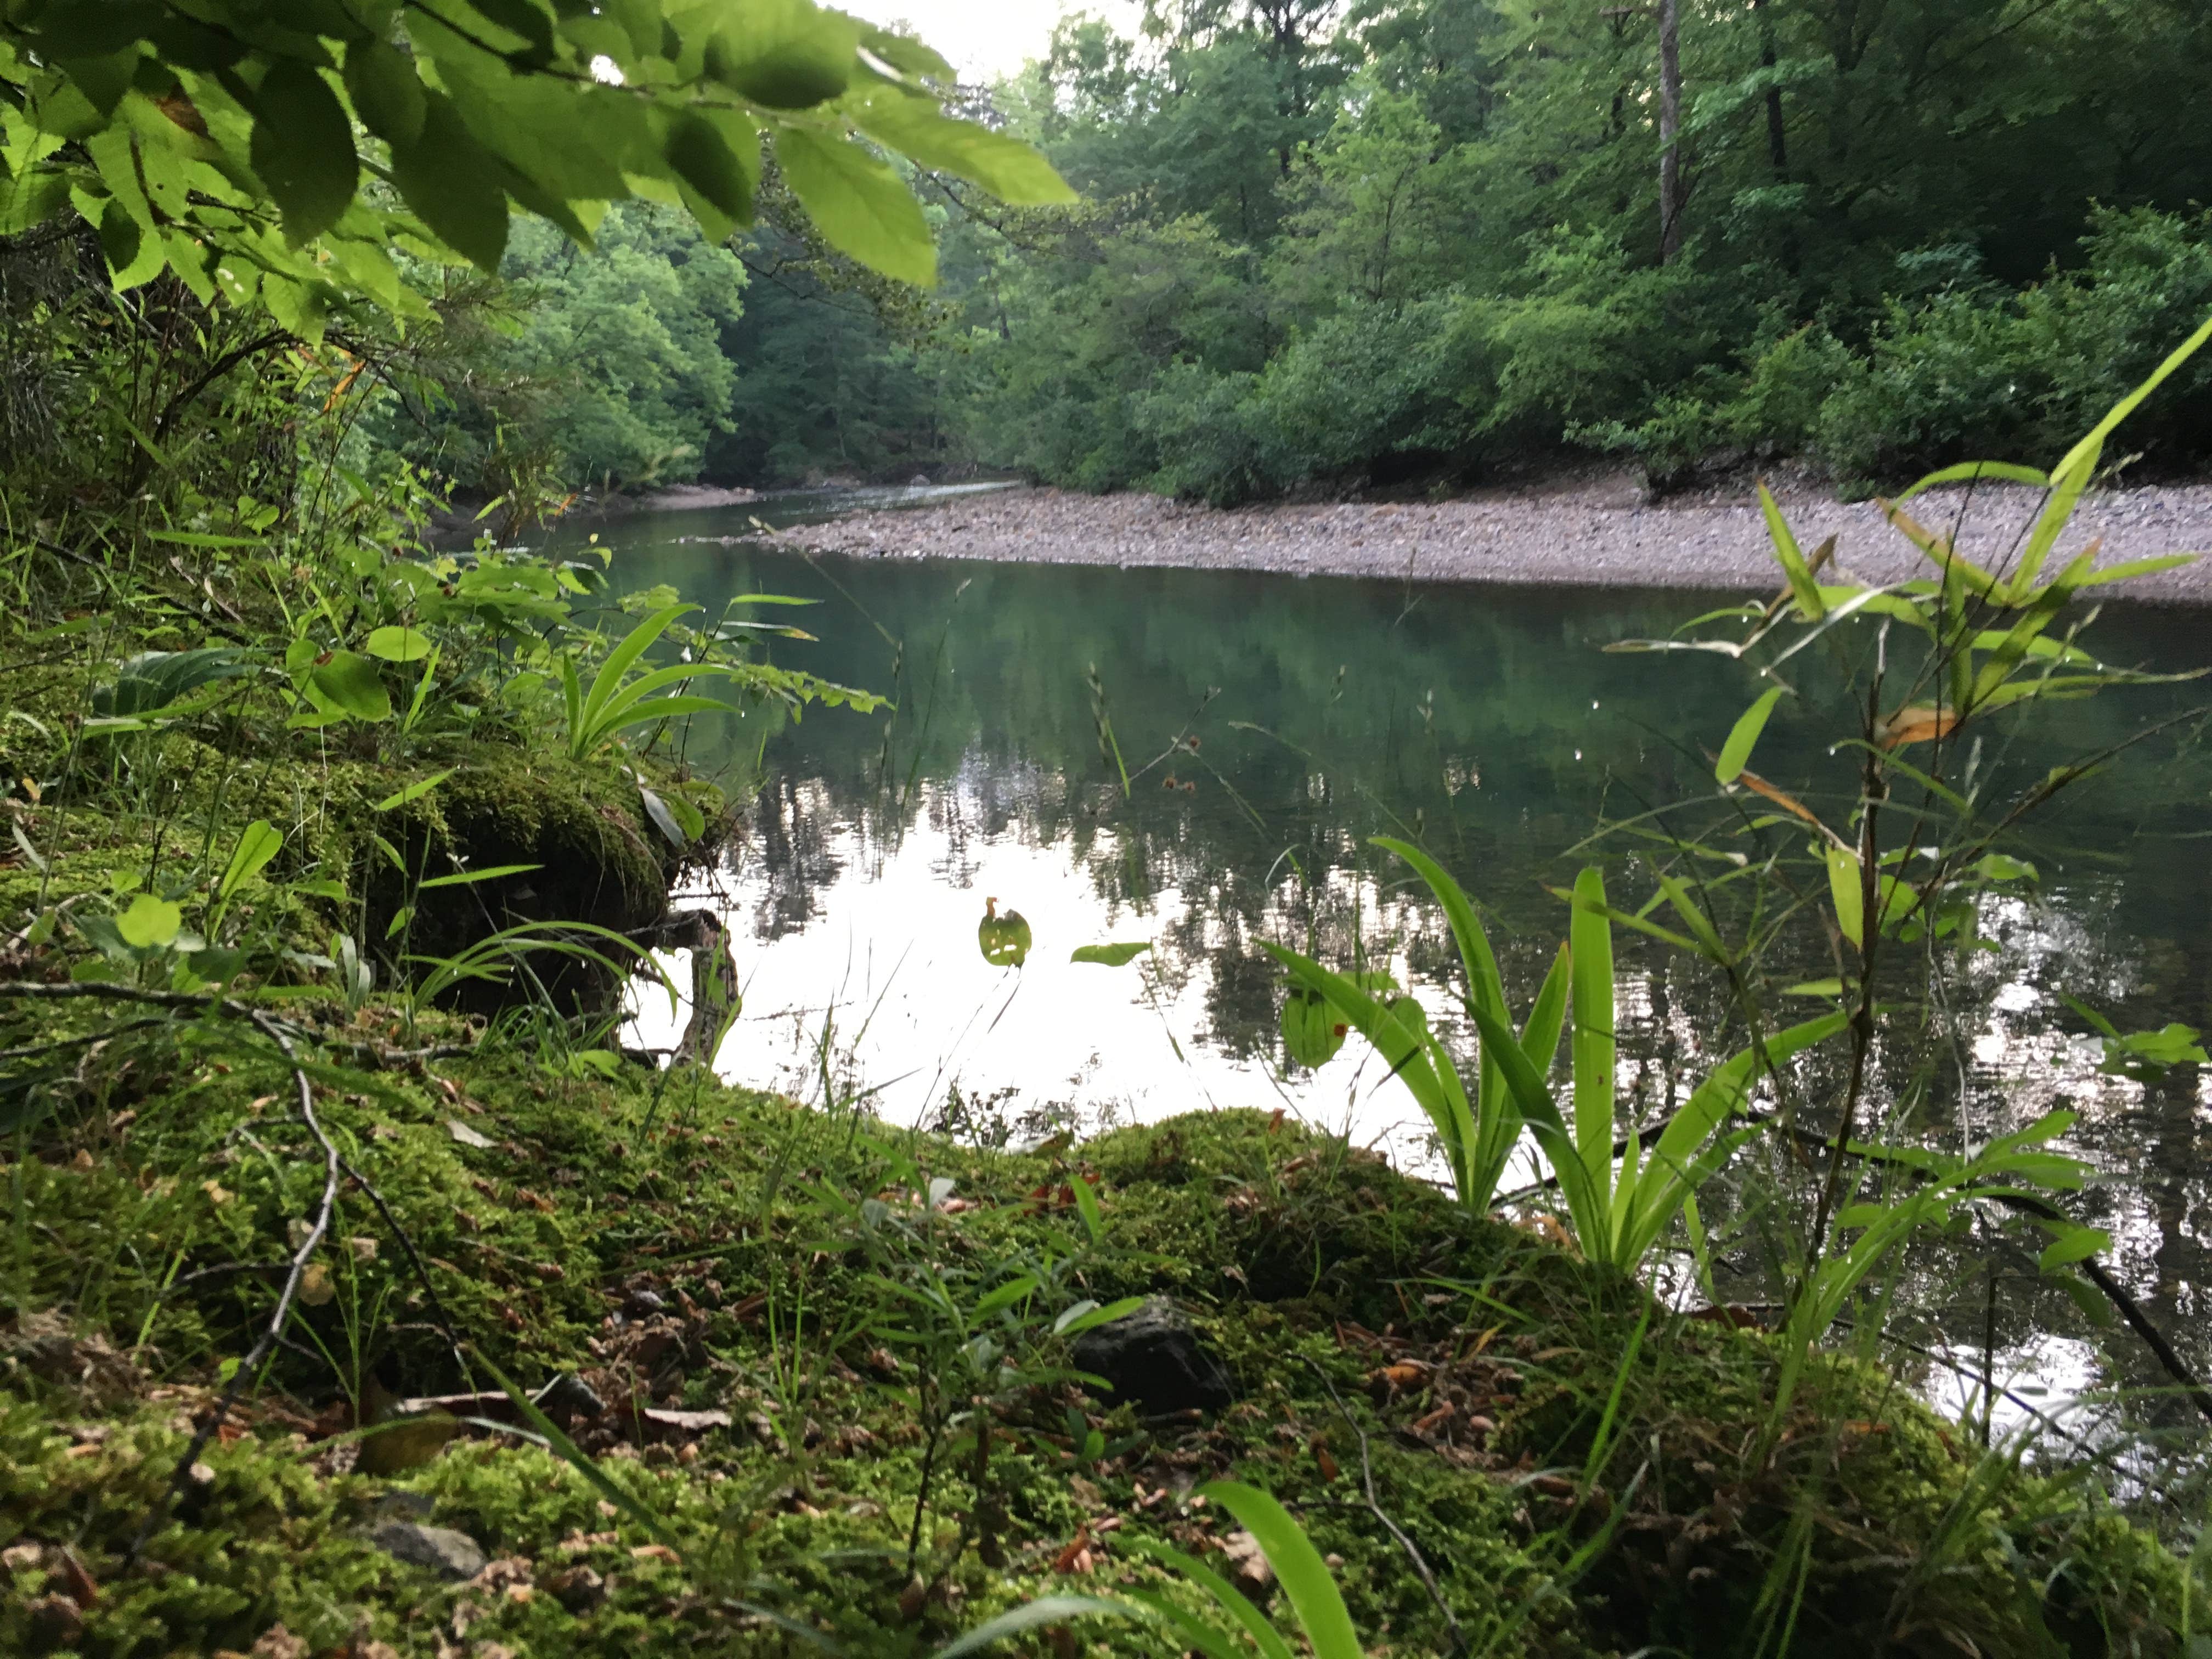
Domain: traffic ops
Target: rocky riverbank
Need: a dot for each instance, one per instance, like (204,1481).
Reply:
(1592,532)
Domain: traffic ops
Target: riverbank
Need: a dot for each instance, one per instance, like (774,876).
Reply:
(1591,531)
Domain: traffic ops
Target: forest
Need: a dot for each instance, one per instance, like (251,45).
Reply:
(403,1252)
(1868,238)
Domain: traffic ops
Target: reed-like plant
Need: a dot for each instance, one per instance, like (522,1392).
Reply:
(1478,1129)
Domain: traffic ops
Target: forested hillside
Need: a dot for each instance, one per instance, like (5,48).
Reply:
(1419,242)
(1328,243)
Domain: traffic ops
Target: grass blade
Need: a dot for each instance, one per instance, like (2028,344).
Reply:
(1305,1575)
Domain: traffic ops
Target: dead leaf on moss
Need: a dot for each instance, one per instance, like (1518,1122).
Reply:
(277,1643)
(1076,1558)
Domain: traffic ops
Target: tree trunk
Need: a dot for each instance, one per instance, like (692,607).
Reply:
(1777,142)
(1670,131)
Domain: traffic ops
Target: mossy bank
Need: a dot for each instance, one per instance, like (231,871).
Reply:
(803,1377)
(728,1285)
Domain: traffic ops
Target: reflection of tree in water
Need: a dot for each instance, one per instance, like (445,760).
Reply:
(791,822)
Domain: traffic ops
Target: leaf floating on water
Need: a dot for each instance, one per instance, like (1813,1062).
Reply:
(1005,940)
(1111,956)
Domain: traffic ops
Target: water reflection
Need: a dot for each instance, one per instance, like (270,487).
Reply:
(1267,728)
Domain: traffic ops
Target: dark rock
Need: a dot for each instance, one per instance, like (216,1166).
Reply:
(1154,1357)
(450,1555)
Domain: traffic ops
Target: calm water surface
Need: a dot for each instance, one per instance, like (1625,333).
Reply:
(1269,727)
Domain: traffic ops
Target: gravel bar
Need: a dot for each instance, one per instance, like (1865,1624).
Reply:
(1591,533)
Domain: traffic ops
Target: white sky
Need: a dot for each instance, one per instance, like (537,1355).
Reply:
(988,38)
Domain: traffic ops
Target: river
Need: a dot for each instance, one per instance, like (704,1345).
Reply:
(1269,726)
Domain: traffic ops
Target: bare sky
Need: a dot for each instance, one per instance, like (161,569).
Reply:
(988,38)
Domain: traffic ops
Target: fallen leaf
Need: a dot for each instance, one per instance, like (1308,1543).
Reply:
(465,1135)
(316,1289)
(1076,1558)
(82,1590)
(1248,1568)
(655,1552)
(277,1643)
(504,1573)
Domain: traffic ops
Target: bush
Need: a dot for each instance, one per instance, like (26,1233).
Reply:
(2015,377)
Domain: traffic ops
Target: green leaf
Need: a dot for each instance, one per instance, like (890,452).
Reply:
(786,54)
(674,816)
(1736,753)
(451,183)
(27,202)
(1304,1575)
(414,791)
(1087,1205)
(350,684)
(469,878)
(1848,893)
(150,922)
(257,843)
(1590,938)
(1974,471)
(302,149)
(398,644)
(1086,1315)
(913,125)
(2082,458)
(717,173)
(861,207)
(386,92)
(2075,1244)
(1111,956)
(1231,1601)
(1313,1033)
(1810,606)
